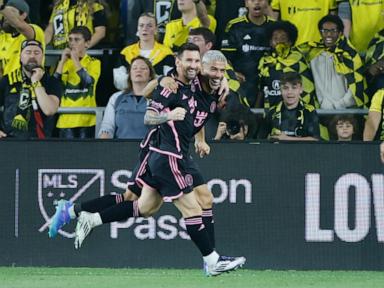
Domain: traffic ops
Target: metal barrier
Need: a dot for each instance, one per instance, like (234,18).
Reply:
(99,112)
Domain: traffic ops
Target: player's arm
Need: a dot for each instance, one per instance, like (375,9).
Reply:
(201,146)
(382,152)
(202,13)
(13,17)
(165,82)
(153,117)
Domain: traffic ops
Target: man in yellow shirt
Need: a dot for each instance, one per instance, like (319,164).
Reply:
(79,74)
(304,15)
(193,15)
(362,20)
(16,29)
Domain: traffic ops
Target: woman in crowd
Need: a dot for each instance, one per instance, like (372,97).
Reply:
(160,56)
(124,114)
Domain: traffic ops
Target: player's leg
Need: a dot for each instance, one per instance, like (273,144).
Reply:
(148,203)
(205,199)
(214,264)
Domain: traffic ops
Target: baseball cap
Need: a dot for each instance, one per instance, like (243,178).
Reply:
(20,5)
(27,43)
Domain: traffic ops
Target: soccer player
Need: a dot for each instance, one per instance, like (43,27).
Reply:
(181,116)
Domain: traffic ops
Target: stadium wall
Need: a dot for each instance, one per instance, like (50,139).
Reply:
(283,206)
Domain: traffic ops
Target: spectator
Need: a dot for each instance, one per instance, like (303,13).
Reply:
(159,55)
(79,74)
(226,11)
(244,44)
(193,15)
(124,114)
(283,57)
(291,118)
(29,96)
(362,20)
(236,124)
(344,127)
(336,66)
(16,29)
(131,10)
(374,63)
(304,15)
(68,14)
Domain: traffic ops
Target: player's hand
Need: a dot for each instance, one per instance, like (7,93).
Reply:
(169,83)
(177,114)
(2,134)
(202,148)
(224,89)
(382,152)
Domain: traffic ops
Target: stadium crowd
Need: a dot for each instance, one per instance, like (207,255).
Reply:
(286,57)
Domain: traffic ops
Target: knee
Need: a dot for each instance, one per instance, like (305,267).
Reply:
(129,195)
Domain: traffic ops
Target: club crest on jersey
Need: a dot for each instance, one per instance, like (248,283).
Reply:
(192,103)
(188,179)
(200,117)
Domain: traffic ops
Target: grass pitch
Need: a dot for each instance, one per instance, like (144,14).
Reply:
(169,278)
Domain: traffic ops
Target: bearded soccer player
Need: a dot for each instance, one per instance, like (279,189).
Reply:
(182,115)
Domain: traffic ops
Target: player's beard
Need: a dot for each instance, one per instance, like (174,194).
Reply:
(190,73)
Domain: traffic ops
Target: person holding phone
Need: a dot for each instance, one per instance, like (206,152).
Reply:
(29,96)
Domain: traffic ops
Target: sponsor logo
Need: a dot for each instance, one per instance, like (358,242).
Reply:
(69,184)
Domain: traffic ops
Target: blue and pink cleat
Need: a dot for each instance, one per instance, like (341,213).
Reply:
(60,218)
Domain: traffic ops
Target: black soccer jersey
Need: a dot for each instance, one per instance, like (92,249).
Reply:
(174,137)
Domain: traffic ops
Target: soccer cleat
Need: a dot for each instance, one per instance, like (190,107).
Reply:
(60,218)
(84,227)
(224,264)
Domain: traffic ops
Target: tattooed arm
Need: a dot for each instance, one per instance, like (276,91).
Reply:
(152,117)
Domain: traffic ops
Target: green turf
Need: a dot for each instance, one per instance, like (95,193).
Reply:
(143,278)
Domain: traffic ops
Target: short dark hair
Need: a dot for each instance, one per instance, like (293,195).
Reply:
(290,77)
(333,19)
(83,30)
(287,27)
(207,34)
(187,47)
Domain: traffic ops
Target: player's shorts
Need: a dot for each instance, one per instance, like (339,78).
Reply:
(167,174)
(191,168)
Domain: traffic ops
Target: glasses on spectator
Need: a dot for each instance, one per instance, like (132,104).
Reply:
(331,31)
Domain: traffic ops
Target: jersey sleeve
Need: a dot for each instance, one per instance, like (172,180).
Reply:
(99,17)
(162,98)
(333,5)
(377,101)
(53,86)
(229,43)
(275,5)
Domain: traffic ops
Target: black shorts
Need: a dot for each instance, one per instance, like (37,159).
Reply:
(191,168)
(167,174)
